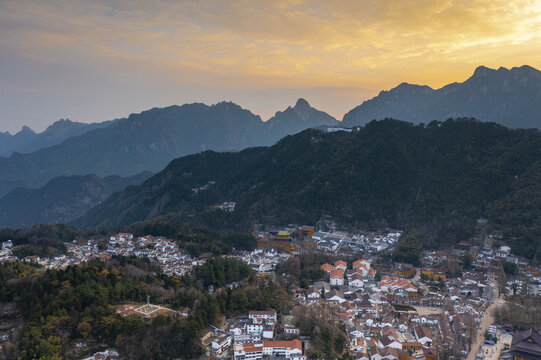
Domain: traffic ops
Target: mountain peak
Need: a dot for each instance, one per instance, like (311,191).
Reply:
(62,123)
(302,103)
(26,130)
(527,69)
(482,71)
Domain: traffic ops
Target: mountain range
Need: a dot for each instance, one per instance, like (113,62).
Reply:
(149,140)
(436,179)
(27,140)
(509,97)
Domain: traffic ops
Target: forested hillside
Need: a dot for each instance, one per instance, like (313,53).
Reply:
(61,307)
(61,200)
(436,179)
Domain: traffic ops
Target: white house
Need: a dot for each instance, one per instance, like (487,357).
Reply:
(335,295)
(337,278)
(313,295)
(291,330)
(221,343)
(356,281)
(422,336)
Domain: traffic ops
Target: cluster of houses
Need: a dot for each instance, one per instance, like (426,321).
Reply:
(108,354)
(164,252)
(263,260)
(296,237)
(338,273)
(253,337)
(228,206)
(382,317)
(198,189)
(6,253)
(332,242)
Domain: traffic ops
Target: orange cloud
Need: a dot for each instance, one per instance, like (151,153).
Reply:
(303,43)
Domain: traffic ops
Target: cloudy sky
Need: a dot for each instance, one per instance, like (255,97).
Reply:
(97,60)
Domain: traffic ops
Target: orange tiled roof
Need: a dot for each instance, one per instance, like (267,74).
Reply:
(326,267)
(292,344)
(338,273)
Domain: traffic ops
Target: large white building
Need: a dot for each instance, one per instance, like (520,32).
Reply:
(255,351)
(265,315)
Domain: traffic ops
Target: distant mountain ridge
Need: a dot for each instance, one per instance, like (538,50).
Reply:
(27,140)
(149,140)
(510,97)
(61,200)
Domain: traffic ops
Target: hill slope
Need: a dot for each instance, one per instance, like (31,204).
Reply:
(508,97)
(60,200)
(436,179)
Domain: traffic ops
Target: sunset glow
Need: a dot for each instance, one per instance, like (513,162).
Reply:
(93,61)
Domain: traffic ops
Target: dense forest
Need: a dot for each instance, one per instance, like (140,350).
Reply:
(62,307)
(436,179)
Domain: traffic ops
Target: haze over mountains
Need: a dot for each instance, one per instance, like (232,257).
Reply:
(27,140)
(148,141)
(508,97)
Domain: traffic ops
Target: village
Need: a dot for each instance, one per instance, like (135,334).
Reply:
(391,310)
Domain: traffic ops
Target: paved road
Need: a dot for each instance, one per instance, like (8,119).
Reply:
(486,321)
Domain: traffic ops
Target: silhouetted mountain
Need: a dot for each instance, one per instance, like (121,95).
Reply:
(508,97)
(149,140)
(298,118)
(60,200)
(27,140)
(436,179)
(8,142)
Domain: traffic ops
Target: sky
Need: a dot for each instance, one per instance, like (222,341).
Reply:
(92,61)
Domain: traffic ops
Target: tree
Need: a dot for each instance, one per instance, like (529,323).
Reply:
(85,329)
(467,261)
(409,249)
(102,245)
(509,268)
(441,283)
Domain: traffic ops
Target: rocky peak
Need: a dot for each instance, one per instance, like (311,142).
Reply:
(482,71)
(302,104)
(26,130)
